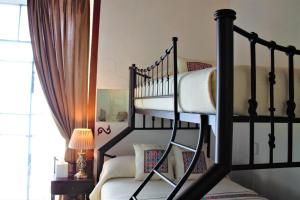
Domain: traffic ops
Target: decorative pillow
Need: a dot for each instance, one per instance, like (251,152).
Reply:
(200,166)
(193,66)
(183,159)
(181,66)
(119,167)
(146,157)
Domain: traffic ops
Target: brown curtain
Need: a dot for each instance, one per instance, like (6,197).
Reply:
(59,31)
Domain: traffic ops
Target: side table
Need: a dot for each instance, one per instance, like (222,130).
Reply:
(71,187)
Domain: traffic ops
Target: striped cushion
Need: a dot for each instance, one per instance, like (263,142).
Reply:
(246,195)
(193,66)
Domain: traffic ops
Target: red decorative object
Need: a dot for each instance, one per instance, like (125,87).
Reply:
(193,66)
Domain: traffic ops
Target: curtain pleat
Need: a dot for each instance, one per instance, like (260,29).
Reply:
(59,31)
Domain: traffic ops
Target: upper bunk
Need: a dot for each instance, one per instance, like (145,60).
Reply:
(263,92)
(197,92)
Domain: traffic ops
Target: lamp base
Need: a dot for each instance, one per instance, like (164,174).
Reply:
(81,166)
(80,175)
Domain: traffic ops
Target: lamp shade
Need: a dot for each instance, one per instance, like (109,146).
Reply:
(82,138)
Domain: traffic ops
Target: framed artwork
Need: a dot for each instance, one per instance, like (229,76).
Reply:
(112,105)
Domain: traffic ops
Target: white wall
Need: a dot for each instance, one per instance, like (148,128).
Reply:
(138,31)
(272,183)
(272,20)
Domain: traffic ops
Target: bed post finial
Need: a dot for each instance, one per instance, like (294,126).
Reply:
(224,124)
(225,13)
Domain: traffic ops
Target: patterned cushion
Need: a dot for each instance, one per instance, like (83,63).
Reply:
(146,158)
(200,166)
(151,158)
(193,66)
(183,159)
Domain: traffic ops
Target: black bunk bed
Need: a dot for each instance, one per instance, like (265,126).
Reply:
(222,121)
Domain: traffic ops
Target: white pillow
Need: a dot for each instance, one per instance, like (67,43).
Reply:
(146,157)
(183,159)
(119,167)
(181,66)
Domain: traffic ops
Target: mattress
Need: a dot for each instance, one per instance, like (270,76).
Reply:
(197,92)
(123,188)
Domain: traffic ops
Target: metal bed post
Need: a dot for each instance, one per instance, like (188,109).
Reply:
(224,123)
(252,101)
(272,81)
(132,84)
(291,101)
(225,77)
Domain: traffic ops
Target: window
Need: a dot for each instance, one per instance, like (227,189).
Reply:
(29,139)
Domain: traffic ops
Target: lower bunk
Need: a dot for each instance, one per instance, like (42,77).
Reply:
(225,190)
(118,182)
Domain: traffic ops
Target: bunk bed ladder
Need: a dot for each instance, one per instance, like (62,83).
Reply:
(203,131)
(176,186)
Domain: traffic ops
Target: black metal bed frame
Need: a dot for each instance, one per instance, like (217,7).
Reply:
(222,121)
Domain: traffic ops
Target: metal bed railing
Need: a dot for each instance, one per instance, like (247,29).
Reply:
(142,84)
(290,51)
(147,77)
(159,80)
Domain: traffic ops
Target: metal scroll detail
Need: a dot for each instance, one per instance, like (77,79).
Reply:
(107,130)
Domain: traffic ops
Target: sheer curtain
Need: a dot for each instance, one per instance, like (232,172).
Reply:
(29,137)
(59,31)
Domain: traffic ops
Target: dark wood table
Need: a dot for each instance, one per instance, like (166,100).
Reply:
(72,187)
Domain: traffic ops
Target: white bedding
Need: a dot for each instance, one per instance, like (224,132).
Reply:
(197,92)
(117,183)
(123,188)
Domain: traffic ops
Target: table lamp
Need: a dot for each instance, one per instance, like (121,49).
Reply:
(82,138)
